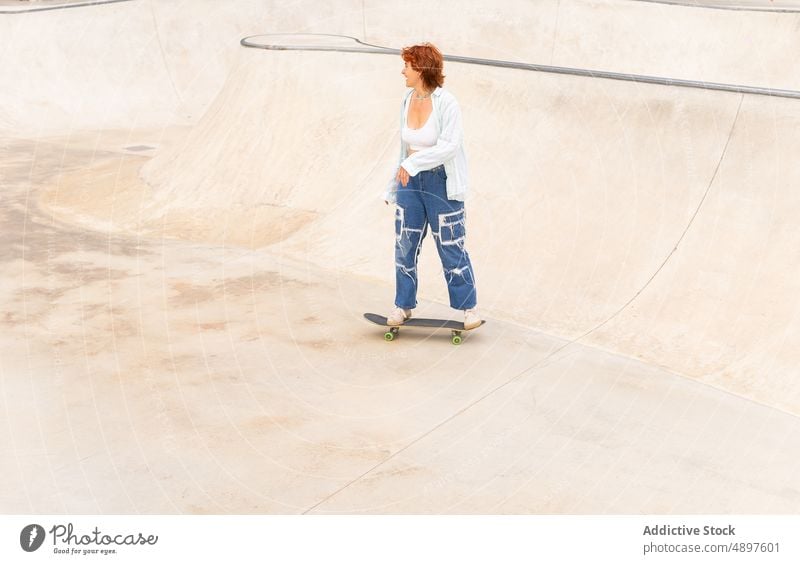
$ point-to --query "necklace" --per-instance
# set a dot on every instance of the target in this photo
(418, 97)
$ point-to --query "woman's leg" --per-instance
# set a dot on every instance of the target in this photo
(410, 226)
(448, 225)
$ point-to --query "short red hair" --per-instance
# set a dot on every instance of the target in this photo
(427, 60)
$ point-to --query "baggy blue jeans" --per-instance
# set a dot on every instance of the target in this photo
(422, 202)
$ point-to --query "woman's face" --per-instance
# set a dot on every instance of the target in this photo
(412, 77)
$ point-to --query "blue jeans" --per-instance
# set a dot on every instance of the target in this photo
(422, 202)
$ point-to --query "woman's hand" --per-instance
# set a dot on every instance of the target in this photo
(402, 176)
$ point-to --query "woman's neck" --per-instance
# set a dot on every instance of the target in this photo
(421, 93)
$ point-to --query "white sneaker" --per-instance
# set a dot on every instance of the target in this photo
(471, 318)
(398, 316)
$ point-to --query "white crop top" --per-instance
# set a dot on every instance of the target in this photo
(421, 138)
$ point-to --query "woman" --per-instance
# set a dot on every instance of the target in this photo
(430, 185)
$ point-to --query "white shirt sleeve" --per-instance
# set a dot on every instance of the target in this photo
(390, 192)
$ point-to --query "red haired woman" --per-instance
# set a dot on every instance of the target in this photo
(430, 185)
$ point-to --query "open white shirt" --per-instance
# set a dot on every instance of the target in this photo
(449, 148)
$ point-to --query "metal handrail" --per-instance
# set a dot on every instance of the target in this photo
(629, 77)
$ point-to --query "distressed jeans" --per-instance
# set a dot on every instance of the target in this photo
(422, 202)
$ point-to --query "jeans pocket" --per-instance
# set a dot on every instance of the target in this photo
(452, 228)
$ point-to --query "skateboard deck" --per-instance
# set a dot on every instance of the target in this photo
(456, 327)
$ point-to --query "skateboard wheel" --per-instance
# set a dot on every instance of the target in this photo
(389, 335)
(456, 339)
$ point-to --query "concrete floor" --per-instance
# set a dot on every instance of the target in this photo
(187, 257)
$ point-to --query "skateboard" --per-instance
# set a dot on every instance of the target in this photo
(456, 327)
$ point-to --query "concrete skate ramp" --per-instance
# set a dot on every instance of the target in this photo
(128, 65)
(655, 222)
(145, 63)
